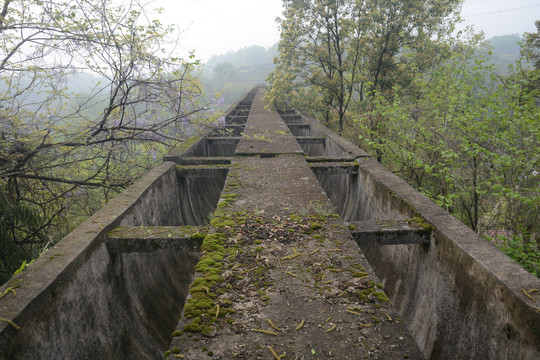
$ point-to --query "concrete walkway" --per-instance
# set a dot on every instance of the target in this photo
(280, 276)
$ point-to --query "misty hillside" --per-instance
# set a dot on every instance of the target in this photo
(236, 72)
(233, 74)
(506, 50)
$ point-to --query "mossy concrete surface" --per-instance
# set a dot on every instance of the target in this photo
(390, 232)
(145, 239)
(247, 257)
(265, 133)
(280, 276)
(460, 296)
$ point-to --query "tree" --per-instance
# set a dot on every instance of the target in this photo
(469, 139)
(63, 153)
(531, 49)
(319, 57)
(336, 54)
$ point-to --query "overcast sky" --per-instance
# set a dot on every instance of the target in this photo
(213, 27)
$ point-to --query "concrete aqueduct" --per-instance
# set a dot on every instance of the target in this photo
(271, 236)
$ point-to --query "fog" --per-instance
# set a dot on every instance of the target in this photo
(214, 27)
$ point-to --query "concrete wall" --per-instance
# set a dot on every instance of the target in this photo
(200, 192)
(82, 300)
(156, 199)
(78, 301)
(461, 297)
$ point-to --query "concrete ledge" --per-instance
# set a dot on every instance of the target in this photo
(310, 140)
(345, 147)
(228, 140)
(202, 170)
(298, 126)
(333, 168)
(239, 120)
(291, 119)
(389, 232)
(150, 239)
(329, 159)
(187, 148)
(204, 161)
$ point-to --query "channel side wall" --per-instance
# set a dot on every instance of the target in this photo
(79, 301)
(461, 297)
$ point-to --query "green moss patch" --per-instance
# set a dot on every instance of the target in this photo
(315, 226)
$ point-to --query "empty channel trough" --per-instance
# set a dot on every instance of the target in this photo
(115, 287)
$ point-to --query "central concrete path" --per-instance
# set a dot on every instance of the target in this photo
(279, 276)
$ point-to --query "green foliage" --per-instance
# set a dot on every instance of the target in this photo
(433, 108)
(92, 107)
(469, 139)
(527, 254)
(335, 54)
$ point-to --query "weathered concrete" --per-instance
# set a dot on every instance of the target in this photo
(284, 267)
(333, 168)
(80, 301)
(389, 232)
(91, 296)
(221, 146)
(199, 188)
(204, 161)
(145, 239)
(460, 296)
(262, 136)
(120, 295)
(299, 129)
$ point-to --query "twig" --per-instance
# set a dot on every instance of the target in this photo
(274, 353)
(15, 326)
(528, 295)
(292, 312)
(267, 332)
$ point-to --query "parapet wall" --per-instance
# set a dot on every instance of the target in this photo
(96, 296)
(78, 300)
(461, 297)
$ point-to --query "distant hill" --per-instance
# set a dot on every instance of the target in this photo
(233, 74)
(236, 72)
(506, 50)
(251, 56)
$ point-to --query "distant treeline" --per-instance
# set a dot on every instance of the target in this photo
(233, 74)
